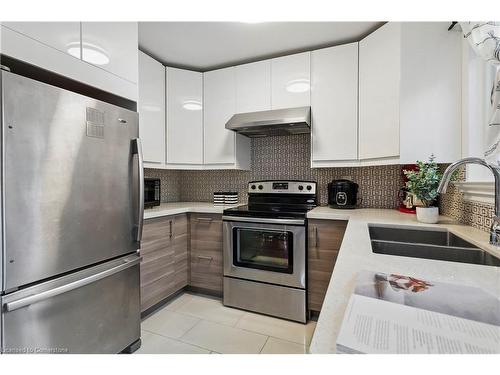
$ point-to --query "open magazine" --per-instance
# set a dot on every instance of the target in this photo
(396, 314)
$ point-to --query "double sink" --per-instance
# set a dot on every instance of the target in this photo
(427, 243)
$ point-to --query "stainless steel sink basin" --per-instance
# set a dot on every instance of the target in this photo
(427, 243)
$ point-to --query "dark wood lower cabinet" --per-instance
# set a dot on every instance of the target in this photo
(324, 240)
(206, 252)
(164, 251)
(179, 251)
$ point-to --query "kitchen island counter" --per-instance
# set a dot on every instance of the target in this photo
(356, 255)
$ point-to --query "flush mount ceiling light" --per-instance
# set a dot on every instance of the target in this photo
(192, 105)
(90, 53)
(298, 86)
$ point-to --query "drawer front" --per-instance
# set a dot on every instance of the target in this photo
(207, 227)
(102, 316)
(206, 252)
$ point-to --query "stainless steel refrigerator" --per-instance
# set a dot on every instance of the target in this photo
(72, 211)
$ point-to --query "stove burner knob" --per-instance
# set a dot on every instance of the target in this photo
(309, 187)
(253, 187)
(261, 187)
(301, 187)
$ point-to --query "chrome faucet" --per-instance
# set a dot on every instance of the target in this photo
(495, 169)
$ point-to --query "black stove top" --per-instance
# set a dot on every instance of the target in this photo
(277, 199)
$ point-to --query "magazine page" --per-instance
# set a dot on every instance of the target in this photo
(397, 314)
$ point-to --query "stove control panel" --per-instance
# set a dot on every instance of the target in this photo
(282, 187)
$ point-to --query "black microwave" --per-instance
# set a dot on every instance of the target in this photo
(152, 192)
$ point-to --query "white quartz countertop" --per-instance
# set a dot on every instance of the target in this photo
(166, 209)
(356, 254)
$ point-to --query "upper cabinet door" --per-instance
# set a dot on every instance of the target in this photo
(290, 81)
(334, 101)
(253, 87)
(431, 89)
(64, 36)
(112, 46)
(184, 117)
(152, 108)
(379, 75)
(219, 99)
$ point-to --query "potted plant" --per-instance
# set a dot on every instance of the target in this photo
(423, 183)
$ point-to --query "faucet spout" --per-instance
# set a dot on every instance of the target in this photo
(495, 169)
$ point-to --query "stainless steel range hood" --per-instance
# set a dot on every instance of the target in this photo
(275, 122)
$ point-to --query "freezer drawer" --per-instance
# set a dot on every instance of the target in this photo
(96, 310)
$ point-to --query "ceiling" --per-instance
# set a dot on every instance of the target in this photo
(206, 46)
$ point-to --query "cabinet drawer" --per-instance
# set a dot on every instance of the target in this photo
(206, 252)
(206, 227)
(206, 271)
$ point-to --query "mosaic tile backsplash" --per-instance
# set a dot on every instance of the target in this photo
(289, 158)
(281, 158)
(476, 214)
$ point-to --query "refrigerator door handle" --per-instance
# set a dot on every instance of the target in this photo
(137, 149)
(29, 300)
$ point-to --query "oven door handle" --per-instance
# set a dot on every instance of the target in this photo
(264, 220)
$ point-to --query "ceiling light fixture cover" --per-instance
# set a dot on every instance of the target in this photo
(298, 86)
(90, 53)
(192, 105)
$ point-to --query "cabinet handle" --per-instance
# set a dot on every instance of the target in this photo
(205, 219)
(171, 231)
(205, 257)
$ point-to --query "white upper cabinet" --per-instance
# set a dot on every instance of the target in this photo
(184, 118)
(430, 103)
(379, 76)
(222, 148)
(63, 36)
(112, 46)
(334, 102)
(253, 87)
(151, 108)
(291, 81)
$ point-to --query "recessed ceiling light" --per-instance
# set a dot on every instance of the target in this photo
(90, 53)
(192, 105)
(298, 86)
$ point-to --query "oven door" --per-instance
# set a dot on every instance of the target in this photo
(266, 250)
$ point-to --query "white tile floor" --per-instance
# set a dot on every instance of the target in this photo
(194, 324)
